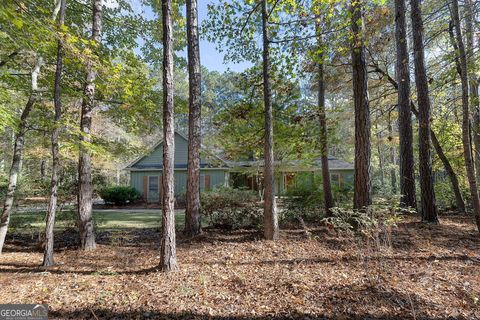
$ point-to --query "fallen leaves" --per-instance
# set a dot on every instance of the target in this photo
(428, 272)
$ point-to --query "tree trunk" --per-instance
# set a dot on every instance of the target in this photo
(393, 160)
(451, 173)
(407, 164)
(380, 158)
(85, 219)
(327, 188)
(192, 214)
(168, 255)
(362, 196)
(467, 145)
(438, 149)
(270, 211)
(474, 98)
(52, 203)
(428, 205)
(15, 169)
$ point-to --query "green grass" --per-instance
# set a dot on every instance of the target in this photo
(104, 219)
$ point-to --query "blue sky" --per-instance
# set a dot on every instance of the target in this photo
(210, 57)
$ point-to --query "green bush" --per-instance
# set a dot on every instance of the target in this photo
(231, 209)
(304, 200)
(120, 195)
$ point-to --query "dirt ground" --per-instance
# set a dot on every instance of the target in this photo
(430, 272)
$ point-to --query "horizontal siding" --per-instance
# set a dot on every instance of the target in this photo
(217, 178)
(180, 155)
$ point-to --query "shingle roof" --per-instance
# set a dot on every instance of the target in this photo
(333, 164)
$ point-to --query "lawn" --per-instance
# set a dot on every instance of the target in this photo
(104, 219)
(427, 272)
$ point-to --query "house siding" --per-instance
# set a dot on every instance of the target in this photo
(218, 177)
(156, 156)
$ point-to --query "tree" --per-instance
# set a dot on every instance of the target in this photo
(192, 214)
(473, 81)
(85, 223)
(362, 180)
(16, 163)
(270, 211)
(467, 144)
(407, 169)
(168, 256)
(52, 203)
(327, 188)
(428, 206)
(438, 149)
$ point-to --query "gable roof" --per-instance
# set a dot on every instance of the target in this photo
(296, 165)
(135, 163)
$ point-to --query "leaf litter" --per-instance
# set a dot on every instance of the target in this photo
(430, 272)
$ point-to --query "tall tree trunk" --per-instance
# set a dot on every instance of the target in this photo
(192, 216)
(270, 211)
(327, 188)
(393, 160)
(85, 219)
(168, 255)
(467, 145)
(15, 169)
(473, 82)
(438, 149)
(380, 158)
(362, 196)
(52, 203)
(428, 204)
(407, 164)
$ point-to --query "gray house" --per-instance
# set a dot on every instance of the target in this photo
(146, 171)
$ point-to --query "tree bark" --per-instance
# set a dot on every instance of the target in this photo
(270, 211)
(407, 164)
(428, 204)
(467, 144)
(192, 216)
(473, 82)
(15, 169)
(438, 149)
(327, 187)
(168, 256)
(85, 219)
(393, 160)
(52, 203)
(362, 196)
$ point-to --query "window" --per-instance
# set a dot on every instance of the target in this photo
(335, 177)
(153, 194)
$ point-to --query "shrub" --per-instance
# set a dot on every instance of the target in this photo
(231, 209)
(120, 195)
(375, 220)
(304, 200)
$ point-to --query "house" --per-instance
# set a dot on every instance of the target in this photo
(146, 171)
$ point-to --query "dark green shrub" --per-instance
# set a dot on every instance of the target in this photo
(120, 195)
(229, 208)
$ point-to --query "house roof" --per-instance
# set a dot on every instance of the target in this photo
(135, 163)
(284, 165)
(333, 164)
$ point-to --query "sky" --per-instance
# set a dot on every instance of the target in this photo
(210, 57)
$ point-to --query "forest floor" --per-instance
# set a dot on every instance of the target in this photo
(428, 272)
